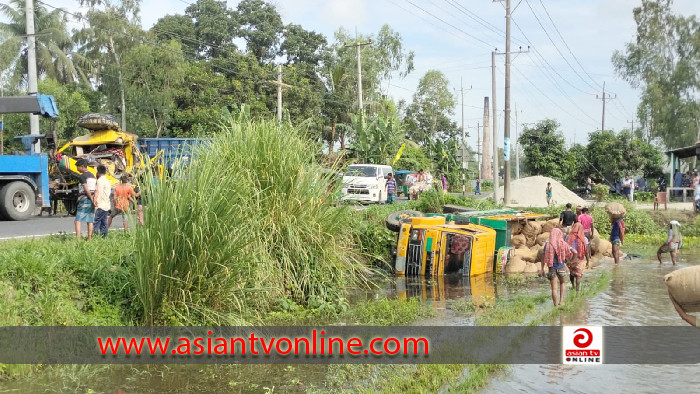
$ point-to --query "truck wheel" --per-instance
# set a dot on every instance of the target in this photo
(393, 221)
(449, 208)
(71, 206)
(17, 201)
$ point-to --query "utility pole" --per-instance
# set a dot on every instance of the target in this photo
(464, 141)
(485, 143)
(605, 98)
(279, 94)
(357, 45)
(494, 133)
(506, 129)
(632, 121)
(517, 147)
(280, 85)
(31, 69)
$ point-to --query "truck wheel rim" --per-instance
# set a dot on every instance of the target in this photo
(20, 201)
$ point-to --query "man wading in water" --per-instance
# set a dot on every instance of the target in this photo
(674, 241)
(556, 252)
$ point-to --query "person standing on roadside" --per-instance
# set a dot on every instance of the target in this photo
(674, 241)
(628, 188)
(586, 221)
(617, 236)
(85, 211)
(103, 189)
(478, 187)
(390, 189)
(556, 252)
(548, 191)
(123, 196)
(677, 181)
(578, 244)
(139, 203)
(443, 178)
(567, 218)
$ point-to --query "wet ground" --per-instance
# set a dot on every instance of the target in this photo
(636, 296)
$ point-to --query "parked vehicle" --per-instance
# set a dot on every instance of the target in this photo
(403, 182)
(365, 182)
(24, 177)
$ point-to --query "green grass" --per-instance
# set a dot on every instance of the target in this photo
(249, 223)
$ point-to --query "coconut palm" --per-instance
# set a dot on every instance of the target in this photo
(53, 43)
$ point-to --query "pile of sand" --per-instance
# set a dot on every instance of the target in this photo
(530, 192)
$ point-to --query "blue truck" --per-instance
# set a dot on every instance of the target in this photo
(168, 151)
(24, 177)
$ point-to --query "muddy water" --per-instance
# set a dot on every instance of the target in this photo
(637, 296)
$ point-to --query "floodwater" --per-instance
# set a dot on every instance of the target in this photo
(637, 296)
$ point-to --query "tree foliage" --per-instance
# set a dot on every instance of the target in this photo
(663, 62)
(545, 153)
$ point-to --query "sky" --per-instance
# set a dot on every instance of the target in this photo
(571, 44)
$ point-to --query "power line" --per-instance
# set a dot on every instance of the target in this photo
(567, 45)
(544, 62)
(451, 25)
(555, 45)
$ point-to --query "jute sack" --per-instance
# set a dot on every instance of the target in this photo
(532, 229)
(615, 210)
(684, 287)
(515, 265)
(549, 225)
(605, 247)
(530, 240)
(517, 241)
(595, 245)
(540, 256)
(542, 238)
(516, 228)
(531, 268)
(525, 254)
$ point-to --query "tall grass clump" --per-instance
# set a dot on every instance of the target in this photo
(249, 222)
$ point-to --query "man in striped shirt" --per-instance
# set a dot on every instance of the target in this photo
(390, 189)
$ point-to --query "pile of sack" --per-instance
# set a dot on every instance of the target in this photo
(528, 239)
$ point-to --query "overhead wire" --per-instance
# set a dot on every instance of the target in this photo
(556, 46)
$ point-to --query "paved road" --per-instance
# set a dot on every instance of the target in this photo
(44, 225)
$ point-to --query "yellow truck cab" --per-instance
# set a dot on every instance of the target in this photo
(428, 246)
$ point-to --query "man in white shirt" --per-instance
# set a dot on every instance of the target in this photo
(628, 187)
(102, 202)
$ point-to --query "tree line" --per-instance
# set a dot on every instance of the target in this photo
(176, 78)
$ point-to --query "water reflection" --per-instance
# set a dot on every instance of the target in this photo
(636, 296)
(448, 287)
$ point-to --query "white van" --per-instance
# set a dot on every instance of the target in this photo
(366, 182)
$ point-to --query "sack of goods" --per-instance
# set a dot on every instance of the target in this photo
(684, 287)
(615, 210)
(98, 122)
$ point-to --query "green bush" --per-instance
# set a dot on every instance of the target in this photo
(601, 192)
(57, 281)
(644, 196)
(431, 201)
(636, 221)
(249, 222)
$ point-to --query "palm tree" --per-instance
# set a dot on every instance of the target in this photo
(53, 43)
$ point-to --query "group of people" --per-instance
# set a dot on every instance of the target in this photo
(99, 203)
(568, 247)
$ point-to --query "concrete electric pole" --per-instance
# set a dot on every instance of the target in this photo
(31, 69)
(506, 128)
(605, 97)
(464, 141)
(357, 45)
(632, 122)
(280, 85)
(494, 133)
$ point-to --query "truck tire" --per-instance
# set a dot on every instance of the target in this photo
(393, 221)
(448, 208)
(17, 201)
